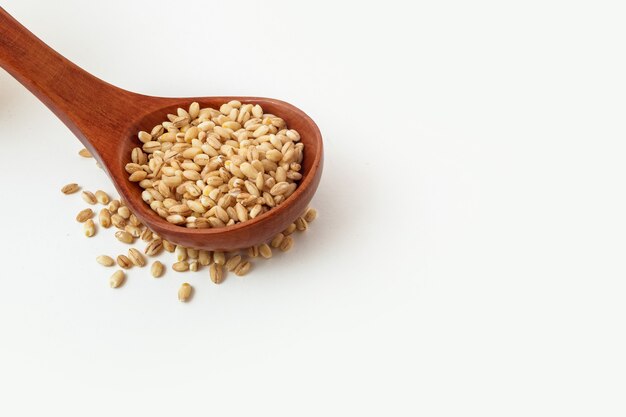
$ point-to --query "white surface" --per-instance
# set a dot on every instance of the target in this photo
(468, 258)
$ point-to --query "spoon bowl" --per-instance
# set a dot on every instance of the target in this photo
(106, 120)
(241, 235)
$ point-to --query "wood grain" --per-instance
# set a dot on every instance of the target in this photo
(106, 119)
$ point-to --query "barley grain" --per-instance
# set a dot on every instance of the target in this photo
(181, 253)
(124, 262)
(286, 244)
(310, 215)
(219, 257)
(253, 251)
(89, 228)
(105, 260)
(146, 235)
(232, 262)
(278, 239)
(290, 229)
(243, 268)
(157, 269)
(301, 224)
(154, 247)
(70, 188)
(180, 266)
(114, 205)
(118, 221)
(89, 197)
(184, 292)
(117, 279)
(216, 273)
(203, 158)
(204, 257)
(104, 218)
(145, 137)
(265, 251)
(133, 230)
(85, 153)
(102, 197)
(168, 246)
(136, 257)
(84, 215)
(124, 237)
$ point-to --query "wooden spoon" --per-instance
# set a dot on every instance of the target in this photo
(106, 120)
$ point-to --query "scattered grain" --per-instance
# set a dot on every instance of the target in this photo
(89, 197)
(70, 188)
(89, 228)
(184, 293)
(124, 237)
(105, 260)
(157, 269)
(181, 266)
(85, 153)
(217, 273)
(84, 215)
(124, 262)
(136, 257)
(265, 250)
(102, 197)
(117, 279)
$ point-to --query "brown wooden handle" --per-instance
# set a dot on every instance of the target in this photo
(78, 98)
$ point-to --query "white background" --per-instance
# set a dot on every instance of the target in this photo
(469, 254)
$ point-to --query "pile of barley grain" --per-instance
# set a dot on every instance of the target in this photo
(130, 231)
(213, 168)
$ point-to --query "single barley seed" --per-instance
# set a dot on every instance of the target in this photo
(301, 224)
(70, 188)
(253, 251)
(265, 250)
(124, 212)
(114, 205)
(204, 257)
(232, 263)
(243, 268)
(89, 197)
(154, 247)
(124, 262)
(118, 221)
(184, 293)
(286, 244)
(180, 266)
(85, 153)
(219, 258)
(217, 273)
(105, 260)
(102, 197)
(105, 218)
(136, 257)
(193, 266)
(277, 240)
(89, 228)
(310, 215)
(84, 215)
(181, 253)
(157, 269)
(124, 237)
(117, 278)
(169, 246)
(290, 229)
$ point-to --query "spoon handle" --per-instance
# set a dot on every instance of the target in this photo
(79, 99)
